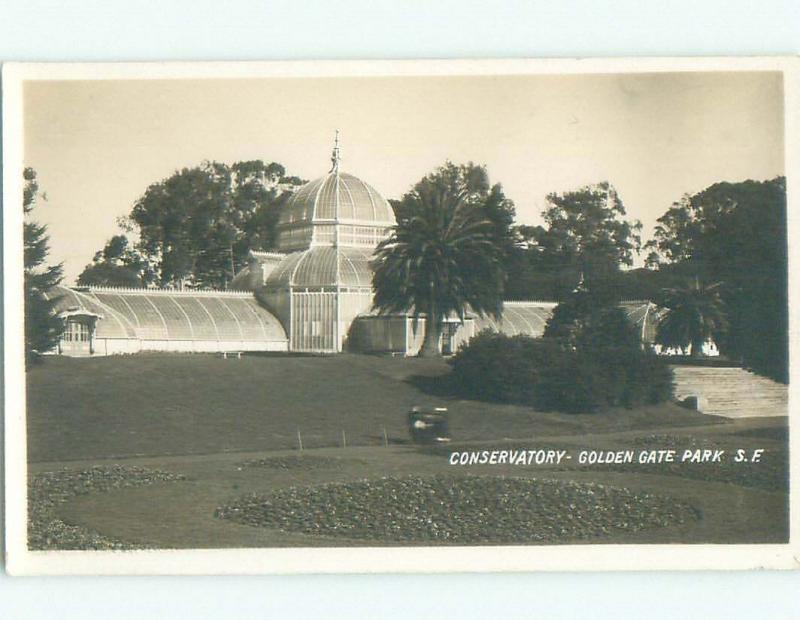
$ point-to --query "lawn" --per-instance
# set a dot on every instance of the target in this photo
(162, 404)
(193, 451)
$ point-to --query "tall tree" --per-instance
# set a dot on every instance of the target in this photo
(196, 227)
(674, 234)
(585, 234)
(42, 326)
(445, 253)
(536, 273)
(735, 233)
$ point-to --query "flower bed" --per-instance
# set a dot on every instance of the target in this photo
(459, 510)
(49, 489)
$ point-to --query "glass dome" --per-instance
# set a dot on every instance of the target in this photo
(321, 267)
(337, 196)
(337, 209)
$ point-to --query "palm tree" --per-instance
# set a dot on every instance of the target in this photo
(695, 314)
(443, 254)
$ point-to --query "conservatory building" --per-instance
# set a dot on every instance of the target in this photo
(108, 321)
(320, 279)
(314, 294)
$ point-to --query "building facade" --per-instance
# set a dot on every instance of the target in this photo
(312, 295)
(320, 279)
(108, 321)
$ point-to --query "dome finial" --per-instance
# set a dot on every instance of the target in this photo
(335, 158)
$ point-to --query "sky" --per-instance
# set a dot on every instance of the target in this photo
(97, 145)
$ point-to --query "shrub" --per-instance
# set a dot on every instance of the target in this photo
(650, 380)
(571, 384)
(604, 366)
(499, 368)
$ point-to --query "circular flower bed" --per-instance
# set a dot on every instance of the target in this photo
(461, 510)
(46, 491)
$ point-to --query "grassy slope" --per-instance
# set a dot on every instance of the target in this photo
(161, 404)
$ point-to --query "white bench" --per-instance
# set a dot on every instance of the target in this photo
(238, 354)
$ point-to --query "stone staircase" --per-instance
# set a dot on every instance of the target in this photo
(731, 392)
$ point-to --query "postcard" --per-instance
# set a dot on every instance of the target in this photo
(400, 316)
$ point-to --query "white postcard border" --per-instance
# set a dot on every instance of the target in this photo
(591, 557)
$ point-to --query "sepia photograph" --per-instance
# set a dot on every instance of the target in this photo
(366, 316)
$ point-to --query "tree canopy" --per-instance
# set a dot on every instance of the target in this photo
(735, 234)
(196, 227)
(447, 250)
(42, 326)
(585, 235)
(117, 264)
(574, 320)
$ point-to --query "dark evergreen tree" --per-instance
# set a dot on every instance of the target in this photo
(736, 234)
(605, 362)
(578, 314)
(42, 326)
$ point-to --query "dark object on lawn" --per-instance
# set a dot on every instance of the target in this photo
(428, 425)
(694, 402)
